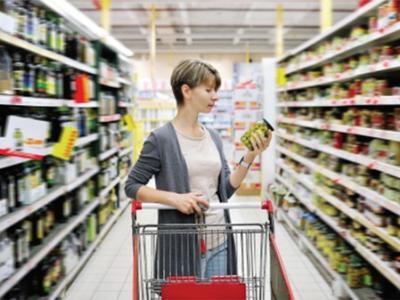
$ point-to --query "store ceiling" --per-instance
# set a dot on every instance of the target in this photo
(214, 26)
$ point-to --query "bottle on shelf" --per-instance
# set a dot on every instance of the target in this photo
(51, 33)
(82, 122)
(29, 76)
(37, 228)
(18, 139)
(69, 84)
(50, 80)
(11, 192)
(18, 74)
(60, 29)
(59, 81)
(29, 23)
(21, 20)
(6, 81)
(42, 28)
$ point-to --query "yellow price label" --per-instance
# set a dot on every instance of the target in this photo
(63, 149)
(281, 77)
(129, 121)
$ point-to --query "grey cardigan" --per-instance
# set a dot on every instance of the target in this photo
(161, 156)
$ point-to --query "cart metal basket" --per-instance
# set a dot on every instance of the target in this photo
(177, 271)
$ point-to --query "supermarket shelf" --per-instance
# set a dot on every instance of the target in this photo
(385, 66)
(109, 118)
(357, 101)
(386, 35)
(83, 178)
(375, 261)
(370, 132)
(104, 192)
(11, 161)
(125, 104)
(124, 81)
(355, 215)
(108, 83)
(371, 163)
(50, 243)
(14, 41)
(344, 181)
(86, 140)
(16, 100)
(6, 162)
(71, 276)
(154, 120)
(318, 256)
(107, 154)
(91, 104)
(346, 22)
(14, 217)
(125, 151)
(147, 104)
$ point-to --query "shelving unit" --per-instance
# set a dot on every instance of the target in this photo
(70, 277)
(50, 243)
(300, 133)
(304, 242)
(106, 49)
(356, 101)
(371, 163)
(153, 112)
(19, 43)
(372, 258)
(369, 132)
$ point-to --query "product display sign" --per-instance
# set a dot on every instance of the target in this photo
(63, 149)
(24, 137)
(129, 122)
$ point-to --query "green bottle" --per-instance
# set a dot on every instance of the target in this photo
(18, 139)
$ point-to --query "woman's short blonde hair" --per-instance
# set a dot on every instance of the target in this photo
(193, 73)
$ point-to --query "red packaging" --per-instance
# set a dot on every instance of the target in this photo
(338, 140)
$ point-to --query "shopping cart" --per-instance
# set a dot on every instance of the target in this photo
(167, 259)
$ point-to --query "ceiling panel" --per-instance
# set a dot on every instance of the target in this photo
(215, 26)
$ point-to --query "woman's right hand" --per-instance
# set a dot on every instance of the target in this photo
(189, 203)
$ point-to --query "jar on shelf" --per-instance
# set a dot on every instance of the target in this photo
(344, 260)
(354, 275)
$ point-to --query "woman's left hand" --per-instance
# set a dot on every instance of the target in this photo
(259, 142)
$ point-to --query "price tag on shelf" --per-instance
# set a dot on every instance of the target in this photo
(386, 64)
(337, 181)
(350, 130)
(15, 100)
(325, 126)
(63, 149)
(129, 121)
(372, 165)
(372, 68)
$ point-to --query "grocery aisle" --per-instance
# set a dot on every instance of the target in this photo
(108, 273)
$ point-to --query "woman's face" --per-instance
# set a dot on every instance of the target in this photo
(203, 97)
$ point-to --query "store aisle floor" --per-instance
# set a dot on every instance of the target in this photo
(108, 274)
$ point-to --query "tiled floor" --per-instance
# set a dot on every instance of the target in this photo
(108, 273)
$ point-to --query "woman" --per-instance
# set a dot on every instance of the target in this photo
(190, 170)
